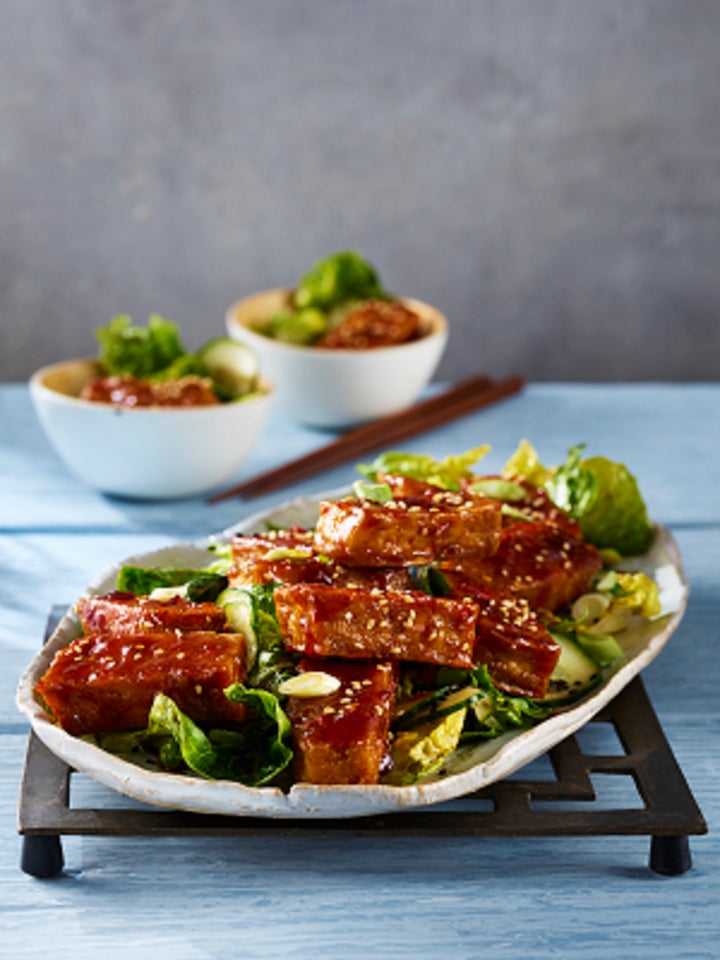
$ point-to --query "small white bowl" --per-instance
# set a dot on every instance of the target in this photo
(144, 452)
(339, 388)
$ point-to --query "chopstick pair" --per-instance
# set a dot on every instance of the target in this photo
(465, 397)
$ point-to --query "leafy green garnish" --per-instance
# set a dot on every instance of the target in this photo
(253, 754)
(571, 487)
(335, 279)
(430, 580)
(202, 584)
(303, 327)
(143, 580)
(185, 366)
(601, 494)
(447, 473)
(506, 712)
(140, 351)
(273, 663)
(377, 492)
(617, 518)
(524, 462)
(498, 488)
(206, 587)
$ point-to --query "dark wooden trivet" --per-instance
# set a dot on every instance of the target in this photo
(669, 814)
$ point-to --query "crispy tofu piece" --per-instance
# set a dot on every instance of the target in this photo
(373, 323)
(343, 737)
(289, 556)
(119, 611)
(539, 562)
(105, 682)
(355, 623)
(409, 531)
(279, 556)
(511, 641)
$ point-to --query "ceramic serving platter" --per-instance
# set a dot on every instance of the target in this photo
(469, 769)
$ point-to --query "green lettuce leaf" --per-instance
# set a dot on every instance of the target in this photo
(273, 663)
(525, 462)
(140, 351)
(601, 494)
(447, 473)
(501, 712)
(617, 517)
(571, 487)
(253, 755)
(335, 279)
(201, 584)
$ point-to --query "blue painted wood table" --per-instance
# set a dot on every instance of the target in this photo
(345, 896)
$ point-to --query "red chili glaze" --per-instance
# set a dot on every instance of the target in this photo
(343, 737)
(510, 640)
(120, 612)
(259, 559)
(374, 323)
(104, 682)
(540, 562)
(355, 623)
(408, 531)
(123, 390)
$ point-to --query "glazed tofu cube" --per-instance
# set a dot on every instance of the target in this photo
(105, 682)
(409, 531)
(119, 612)
(539, 562)
(343, 737)
(511, 641)
(279, 556)
(355, 623)
(289, 556)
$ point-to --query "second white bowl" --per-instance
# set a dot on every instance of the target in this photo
(339, 388)
(144, 452)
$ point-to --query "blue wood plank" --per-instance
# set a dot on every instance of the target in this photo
(344, 897)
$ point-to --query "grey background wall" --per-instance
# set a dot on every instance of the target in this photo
(545, 171)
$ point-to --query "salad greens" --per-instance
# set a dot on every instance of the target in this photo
(197, 585)
(140, 351)
(253, 754)
(156, 353)
(251, 611)
(334, 283)
(447, 473)
(336, 279)
(601, 494)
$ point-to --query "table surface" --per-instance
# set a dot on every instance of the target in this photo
(344, 896)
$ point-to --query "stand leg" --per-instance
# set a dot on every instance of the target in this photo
(670, 855)
(42, 856)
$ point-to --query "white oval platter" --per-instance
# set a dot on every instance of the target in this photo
(469, 769)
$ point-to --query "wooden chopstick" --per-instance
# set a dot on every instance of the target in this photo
(463, 398)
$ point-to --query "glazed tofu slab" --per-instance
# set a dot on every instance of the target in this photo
(108, 681)
(356, 623)
(120, 612)
(343, 737)
(408, 531)
(538, 562)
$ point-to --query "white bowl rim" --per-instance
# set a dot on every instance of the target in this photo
(37, 384)
(439, 330)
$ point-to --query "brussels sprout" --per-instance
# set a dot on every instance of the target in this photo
(337, 278)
